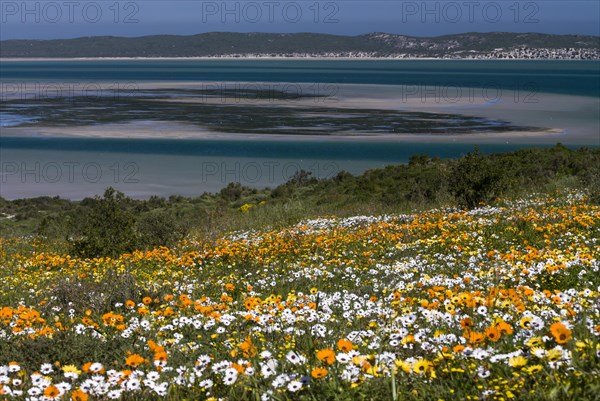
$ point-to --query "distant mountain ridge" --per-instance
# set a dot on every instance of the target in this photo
(229, 44)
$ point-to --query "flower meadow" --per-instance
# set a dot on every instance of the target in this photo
(496, 303)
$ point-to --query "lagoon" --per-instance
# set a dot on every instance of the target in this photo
(147, 127)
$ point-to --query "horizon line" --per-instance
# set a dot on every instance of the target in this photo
(304, 33)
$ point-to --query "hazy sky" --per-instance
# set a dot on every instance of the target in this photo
(44, 19)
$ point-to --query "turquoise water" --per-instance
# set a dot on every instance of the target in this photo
(76, 167)
(565, 77)
(392, 152)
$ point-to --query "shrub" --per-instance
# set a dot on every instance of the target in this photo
(475, 179)
(107, 228)
(232, 192)
(98, 295)
(591, 181)
(160, 228)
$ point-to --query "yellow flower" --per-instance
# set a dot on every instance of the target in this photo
(71, 368)
(517, 361)
(583, 344)
(405, 366)
(553, 355)
(373, 371)
(533, 369)
(534, 342)
(526, 322)
(421, 366)
(245, 208)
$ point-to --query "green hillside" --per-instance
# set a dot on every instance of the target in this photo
(227, 43)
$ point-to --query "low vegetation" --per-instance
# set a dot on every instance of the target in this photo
(255, 298)
(113, 224)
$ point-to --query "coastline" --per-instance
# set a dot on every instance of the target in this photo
(275, 58)
(166, 167)
(173, 131)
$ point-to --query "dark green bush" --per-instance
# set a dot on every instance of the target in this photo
(475, 179)
(107, 228)
(160, 228)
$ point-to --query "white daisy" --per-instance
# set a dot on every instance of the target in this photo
(206, 383)
(154, 376)
(295, 358)
(133, 384)
(46, 368)
(343, 358)
(96, 367)
(13, 368)
(228, 380)
(294, 386)
(114, 394)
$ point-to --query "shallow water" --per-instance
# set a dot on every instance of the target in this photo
(75, 168)
(59, 139)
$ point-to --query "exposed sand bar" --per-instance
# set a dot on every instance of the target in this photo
(231, 58)
(169, 130)
(564, 118)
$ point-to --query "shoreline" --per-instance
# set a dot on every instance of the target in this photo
(114, 131)
(275, 58)
(169, 169)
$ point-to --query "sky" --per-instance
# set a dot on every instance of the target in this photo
(48, 19)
